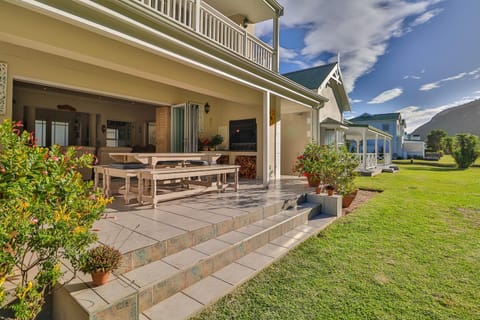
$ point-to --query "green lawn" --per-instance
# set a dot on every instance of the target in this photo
(445, 161)
(412, 252)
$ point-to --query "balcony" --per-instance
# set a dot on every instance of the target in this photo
(203, 19)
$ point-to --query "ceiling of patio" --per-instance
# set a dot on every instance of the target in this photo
(254, 10)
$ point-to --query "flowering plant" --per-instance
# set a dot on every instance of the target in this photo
(46, 213)
(309, 163)
(203, 142)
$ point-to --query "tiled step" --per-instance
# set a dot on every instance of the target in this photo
(193, 299)
(131, 293)
(176, 228)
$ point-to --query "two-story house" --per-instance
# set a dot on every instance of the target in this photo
(132, 73)
(391, 123)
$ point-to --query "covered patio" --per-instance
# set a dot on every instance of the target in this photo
(373, 146)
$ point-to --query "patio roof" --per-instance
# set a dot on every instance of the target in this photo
(356, 131)
(330, 123)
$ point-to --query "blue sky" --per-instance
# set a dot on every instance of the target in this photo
(414, 57)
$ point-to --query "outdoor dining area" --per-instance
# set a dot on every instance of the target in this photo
(150, 178)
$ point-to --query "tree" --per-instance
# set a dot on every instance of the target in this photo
(466, 150)
(447, 145)
(434, 139)
(46, 213)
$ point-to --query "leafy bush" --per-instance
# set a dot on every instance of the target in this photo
(46, 212)
(466, 150)
(102, 258)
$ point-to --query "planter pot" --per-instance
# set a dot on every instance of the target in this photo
(212, 148)
(347, 199)
(313, 181)
(204, 148)
(330, 192)
(317, 190)
(99, 277)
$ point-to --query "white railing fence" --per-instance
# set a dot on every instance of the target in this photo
(370, 160)
(200, 17)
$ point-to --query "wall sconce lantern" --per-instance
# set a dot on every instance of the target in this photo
(207, 108)
(245, 22)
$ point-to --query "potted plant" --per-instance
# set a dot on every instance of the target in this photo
(203, 144)
(345, 176)
(99, 262)
(309, 164)
(330, 189)
(216, 140)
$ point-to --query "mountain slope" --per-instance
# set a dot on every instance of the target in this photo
(462, 119)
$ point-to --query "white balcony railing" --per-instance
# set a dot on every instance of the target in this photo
(200, 17)
(370, 160)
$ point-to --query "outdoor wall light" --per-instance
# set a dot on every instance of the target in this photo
(245, 22)
(207, 108)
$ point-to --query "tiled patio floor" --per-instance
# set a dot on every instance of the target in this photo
(131, 227)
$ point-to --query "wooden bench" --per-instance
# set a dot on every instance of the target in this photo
(151, 179)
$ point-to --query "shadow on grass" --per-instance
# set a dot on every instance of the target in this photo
(428, 168)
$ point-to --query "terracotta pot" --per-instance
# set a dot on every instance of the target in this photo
(330, 192)
(204, 148)
(99, 277)
(317, 190)
(348, 199)
(313, 181)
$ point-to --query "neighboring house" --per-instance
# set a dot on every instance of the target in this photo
(391, 123)
(327, 81)
(413, 146)
(133, 73)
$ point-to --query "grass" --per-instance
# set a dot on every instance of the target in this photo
(445, 161)
(411, 252)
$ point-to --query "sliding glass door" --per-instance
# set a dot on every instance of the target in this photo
(185, 127)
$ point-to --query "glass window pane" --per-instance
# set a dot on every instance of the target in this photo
(60, 133)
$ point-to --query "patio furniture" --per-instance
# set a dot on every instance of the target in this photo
(151, 179)
(152, 159)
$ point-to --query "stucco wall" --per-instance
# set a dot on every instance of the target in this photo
(295, 133)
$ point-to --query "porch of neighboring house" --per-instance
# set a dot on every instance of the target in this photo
(188, 253)
(372, 146)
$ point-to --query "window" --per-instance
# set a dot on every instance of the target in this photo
(329, 136)
(112, 137)
(41, 132)
(60, 133)
(385, 127)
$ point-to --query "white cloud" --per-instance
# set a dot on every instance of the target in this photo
(356, 100)
(358, 30)
(437, 84)
(416, 116)
(386, 96)
(412, 77)
(427, 16)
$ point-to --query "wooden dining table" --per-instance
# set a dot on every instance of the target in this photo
(152, 159)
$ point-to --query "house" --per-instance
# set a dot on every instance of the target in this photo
(391, 123)
(327, 81)
(143, 73)
(413, 146)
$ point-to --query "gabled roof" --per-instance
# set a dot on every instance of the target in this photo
(311, 78)
(317, 78)
(374, 117)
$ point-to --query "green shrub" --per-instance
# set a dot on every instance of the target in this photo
(466, 150)
(46, 213)
(102, 258)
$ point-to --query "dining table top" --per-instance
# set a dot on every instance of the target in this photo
(151, 159)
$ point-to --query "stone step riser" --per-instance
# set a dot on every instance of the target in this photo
(148, 297)
(137, 258)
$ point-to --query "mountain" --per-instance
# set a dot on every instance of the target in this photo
(461, 119)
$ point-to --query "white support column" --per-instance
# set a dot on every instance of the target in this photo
(266, 139)
(278, 139)
(385, 147)
(364, 149)
(390, 151)
(376, 149)
(357, 145)
(276, 44)
(316, 125)
(196, 20)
